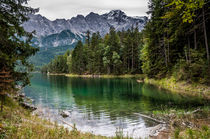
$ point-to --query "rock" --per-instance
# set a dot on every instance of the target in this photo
(140, 81)
(62, 32)
(28, 106)
(29, 100)
(65, 114)
(22, 95)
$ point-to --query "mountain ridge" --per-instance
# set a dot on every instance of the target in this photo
(80, 24)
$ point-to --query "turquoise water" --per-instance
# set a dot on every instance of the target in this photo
(103, 106)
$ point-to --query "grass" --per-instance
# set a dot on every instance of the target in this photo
(182, 87)
(16, 122)
(187, 125)
(104, 76)
(188, 133)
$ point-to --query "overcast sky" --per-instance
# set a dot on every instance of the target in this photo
(53, 9)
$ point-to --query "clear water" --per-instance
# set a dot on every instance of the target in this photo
(103, 106)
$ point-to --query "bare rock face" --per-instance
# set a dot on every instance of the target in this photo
(62, 32)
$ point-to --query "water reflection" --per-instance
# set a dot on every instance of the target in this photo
(102, 105)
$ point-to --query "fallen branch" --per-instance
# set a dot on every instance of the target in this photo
(148, 117)
(193, 111)
(66, 123)
(196, 110)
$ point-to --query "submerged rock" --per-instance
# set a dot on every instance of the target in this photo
(65, 114)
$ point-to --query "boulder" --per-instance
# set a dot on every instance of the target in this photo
(65, 114)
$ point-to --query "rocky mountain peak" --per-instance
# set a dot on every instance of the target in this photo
(80, 16)
(92, 14)
(79, 25)
(116, 13)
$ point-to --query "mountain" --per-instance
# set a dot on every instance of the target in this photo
(49, 33)
(55, 37)
(65, 37)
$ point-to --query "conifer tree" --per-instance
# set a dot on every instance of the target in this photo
(15, 42)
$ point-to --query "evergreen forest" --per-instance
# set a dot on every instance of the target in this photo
(174, 42)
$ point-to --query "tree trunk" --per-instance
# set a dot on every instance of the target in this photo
(2, 102)
(165, 53)
(128, 68)
(168, 48)
(205, 35)
(186, 56)
(108, 69)
(189, 55)
(195, 39)
(132, 58)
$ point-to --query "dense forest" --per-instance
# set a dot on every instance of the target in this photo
(173, 43)
(116, 53)
(176, 40)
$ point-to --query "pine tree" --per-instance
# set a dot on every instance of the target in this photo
(15, 42)
(78, 59)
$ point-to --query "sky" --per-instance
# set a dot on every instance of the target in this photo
(53, 9)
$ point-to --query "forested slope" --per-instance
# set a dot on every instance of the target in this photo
(175, 42)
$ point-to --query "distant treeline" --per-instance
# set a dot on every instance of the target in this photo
(174, 42)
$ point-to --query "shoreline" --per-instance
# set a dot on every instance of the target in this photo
(42, 121)
(181, 87)
(98, 75)
(153, 131)
(17, 121)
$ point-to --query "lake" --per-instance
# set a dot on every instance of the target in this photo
(103, 106)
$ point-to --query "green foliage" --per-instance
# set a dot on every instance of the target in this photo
(15, 42)
(194, 71)
(176, 133)
(145, 59)
(58, 65)
(45, 55)
(203, 133)
(116, 53)
(174, 40)
(78, 59)
(187, 8)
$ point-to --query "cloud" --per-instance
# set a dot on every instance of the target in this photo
(53, 9)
